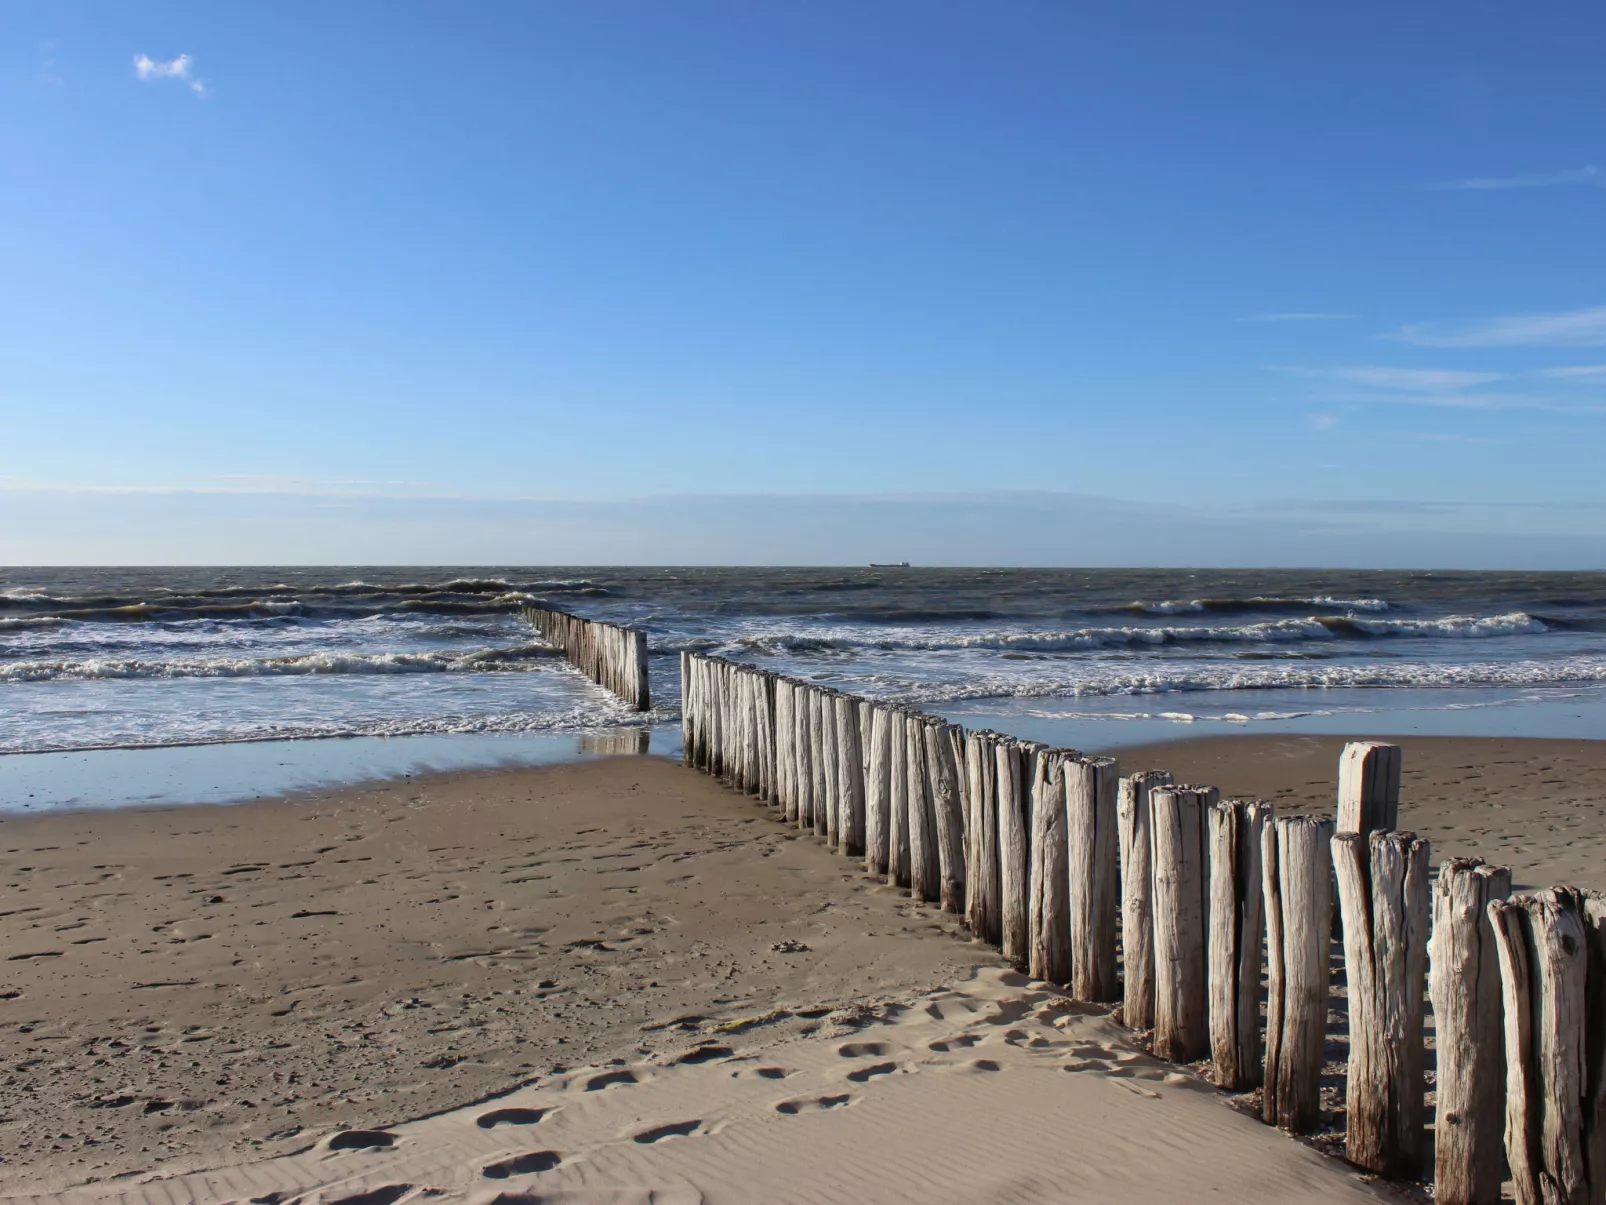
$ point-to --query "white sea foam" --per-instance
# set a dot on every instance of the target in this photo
(1277, 631)
(1104, 678)
(447, 661)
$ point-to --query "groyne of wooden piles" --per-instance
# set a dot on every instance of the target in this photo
(610, 655)
(1210, 922)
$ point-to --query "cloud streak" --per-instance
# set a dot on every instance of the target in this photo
(1568, 328)
(180, 67)
(1297, 317)
(1588, 174)
(1410, 380)
(1441, 387)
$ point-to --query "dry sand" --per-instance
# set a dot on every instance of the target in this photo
(686, 1000)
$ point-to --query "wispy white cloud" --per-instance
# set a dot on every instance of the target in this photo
(1324, 421)
(1296, 317)
(1442, 387)
(1588, 174)
(1412, 380)
(1577, 372)
(180, 67)
(1569, 328)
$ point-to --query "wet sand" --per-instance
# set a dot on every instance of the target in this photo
(213, 987)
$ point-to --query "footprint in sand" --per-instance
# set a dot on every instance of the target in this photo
(678, 1129)
(387, 1195)
(509, 1117)
(1086, 1065)
(361, 1140)
(813, 1104)
(705, 1054)
(963, 1042)
(862, 1050)
(611, 1078)
(874, 1069)
(522, 1165)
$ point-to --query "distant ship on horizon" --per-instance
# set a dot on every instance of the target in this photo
(889, 564)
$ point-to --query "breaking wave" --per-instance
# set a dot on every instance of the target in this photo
(1280, 631)
(1256, 603)
(519, 658)
(1103, 679)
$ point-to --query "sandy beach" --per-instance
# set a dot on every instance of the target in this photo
(669, 996)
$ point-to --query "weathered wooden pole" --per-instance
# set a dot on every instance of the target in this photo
(982, 907)
(1368, 787)
(944, 755)
(1093, 857)
(897, 799)
(1013, 855)
(826, 824)
(824, 771)
(1383, 900)
(1464, 983)
(1133, 814)
(850, 781)
(1552, 952)
(686, 708)
(925, 870)
(785, 749)
(1181, 997)
(1050, 913)
(877, 794)
(1297, 871)
(1237, 935)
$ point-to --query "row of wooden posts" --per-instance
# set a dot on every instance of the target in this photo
(610, 655)
(1200, 914)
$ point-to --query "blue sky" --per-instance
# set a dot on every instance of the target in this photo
(1252, 262)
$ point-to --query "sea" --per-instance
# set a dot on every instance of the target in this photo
(138, 686)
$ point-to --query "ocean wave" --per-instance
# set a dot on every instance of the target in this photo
(29, 622)
(523, 657)
(1106, 679)
(1278, 631)
(1224, 606)
(357, 598)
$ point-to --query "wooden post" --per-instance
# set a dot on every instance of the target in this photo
(1133, 812)
(1050, 919)
(925, 872)
(1181, 1000)
(982, 913)
(716, 718)
(1464, 982)
(827, 825)
(1383, 899)
(877, 794)
(824, 773)
(1014, 866)
(850, 783)
(1368, 787)
(768, 790)
(1093, 854)
(944, 753)
(784, 748)
(897, 800)
(1552, 952)
(685, 708)
(1297, 872)
(1237, 932)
